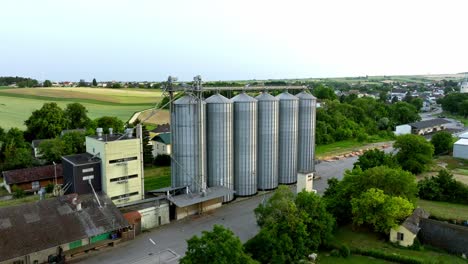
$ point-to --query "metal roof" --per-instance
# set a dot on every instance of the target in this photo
(81, 159)
(429, 123)
(184, 200)
(49, 223)
(463, 141)
(32, 174)
(243, 97)
(412, 222)
(163, 138)
(218, 99)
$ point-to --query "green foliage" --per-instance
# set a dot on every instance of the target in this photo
(46, 122)
(162, 160)
(345, 251)
(8, 80)
(455, 103)
(16, 157)
(77, 116)
(74, 142)
(109, 121)
(442, 142)
(388, 256)
(374, 158)
(27, 83)
(52, 150)
(443, 187)
(217, 246)
(323, 92)
(95, 82)
(414, 152)
(379, 210)
(17, 192)
(404, 113)
(49, 187)
(291, 226)
(47, 83)
(392, 181)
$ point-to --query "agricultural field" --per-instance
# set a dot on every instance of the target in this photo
(16, 105)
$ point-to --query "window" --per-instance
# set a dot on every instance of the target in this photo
(124, 178)
(124, 196)
(35, 185)
(122, 160)
(400, 236)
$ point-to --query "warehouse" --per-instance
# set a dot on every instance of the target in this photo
(58, 228)
(428, 126)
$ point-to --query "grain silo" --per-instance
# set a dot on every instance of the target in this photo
(245, 145)
(288, 121)
(306, 133)
(219, 140)
(188, 166)
(267, 142)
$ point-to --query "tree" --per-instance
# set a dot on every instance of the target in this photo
(162, 160)
(404, 113)
(82, 83)
(94, 82)
(414, 152)
(323, 92)
(442, 142)
(16, 157)
(218, 246)
(443, 187)
(379, 210)
(373, 158)
(107, 122)
(74, 143)
(46, 122)
(77, 116)
(417, 102)
(47, 83)
(52, 150)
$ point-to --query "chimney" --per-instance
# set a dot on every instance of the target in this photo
(99, 132)
(129, 132)
(111, 131)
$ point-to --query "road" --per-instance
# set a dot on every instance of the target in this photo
(170, 240)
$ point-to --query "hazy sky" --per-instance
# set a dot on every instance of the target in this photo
(226, 40)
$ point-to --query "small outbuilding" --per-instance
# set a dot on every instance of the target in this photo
(402, 130)
(405, 234)
(428, 126)
(32, 179)
(460, 149)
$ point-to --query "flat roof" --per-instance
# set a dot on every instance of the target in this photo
(463, 141)
(463, 135)
(113, 137)
(81, 159)
(184, 200)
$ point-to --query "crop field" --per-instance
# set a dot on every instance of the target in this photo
(16, 105)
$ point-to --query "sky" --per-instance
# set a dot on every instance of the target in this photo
(138, 40)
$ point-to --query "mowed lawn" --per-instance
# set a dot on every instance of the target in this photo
(443, 210)
(157, 177)
(15, 110)
(353, 259)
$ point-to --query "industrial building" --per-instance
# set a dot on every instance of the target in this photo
(121, 164)
(82, 173)
(428, 126)
(53, 230)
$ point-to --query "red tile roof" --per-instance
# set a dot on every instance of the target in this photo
(32, 174)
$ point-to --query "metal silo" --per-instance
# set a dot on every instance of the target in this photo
(245, 145)
(288, 119)
(188, 165)
(306, 135)
(219, 140)
(267, 141)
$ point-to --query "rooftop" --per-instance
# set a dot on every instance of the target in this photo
(462, 141)
(412, 222)
(32, 174)
(113, 137)
(184, 200)
(49, 223)
(163, 138)
(163, 128)
(429, 123)
(82, 158)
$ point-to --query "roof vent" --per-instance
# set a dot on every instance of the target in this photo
(111, 131)
(129, 132)
(99, 132)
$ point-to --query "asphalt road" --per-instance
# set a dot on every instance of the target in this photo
(170, 240)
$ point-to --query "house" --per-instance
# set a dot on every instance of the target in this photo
(405, 234)
(428, 126)
(460, 148)
(35, 145)
(32, 179)
(54, 230)
(161, 144)
(398, 93)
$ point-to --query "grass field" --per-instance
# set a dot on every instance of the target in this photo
(350, 260)
(364, 239)
(27, 199)
(16, 105)
(157, 177)
(443, 210)
(345, 146)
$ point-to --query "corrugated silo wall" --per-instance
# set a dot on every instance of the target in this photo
(306, 133)
(219, 140)
(288, 121)
(188, 166)
(267, 142)
(245, 145)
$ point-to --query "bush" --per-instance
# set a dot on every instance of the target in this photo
(49, 187)
(18, 192)
(386, 256)
(335, 253)
(344, 251)
(162, 160)
(361, 137)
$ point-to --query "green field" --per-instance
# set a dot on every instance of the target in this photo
(157, 177)
(443, 210)
(16, 105)
(346, 146)
(353, 259)
(364, 239)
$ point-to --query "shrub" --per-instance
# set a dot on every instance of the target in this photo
(18, 192)
(162, 160)
(335, 253)
(49, 187)
(386, 256)
(344, 251)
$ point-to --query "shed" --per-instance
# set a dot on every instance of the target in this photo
(405, 234)
(428, 126)
(460, 149)
(32, 179)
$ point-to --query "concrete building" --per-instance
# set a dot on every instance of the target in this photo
(53, 230)
(82, 173)
(305, 181)
(152, 212)
(161, 144)
(32, 179)
(405, 234)
(121, 165)
(460, 149)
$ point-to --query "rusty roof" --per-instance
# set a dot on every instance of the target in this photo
(32, 174)
(52, 222)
